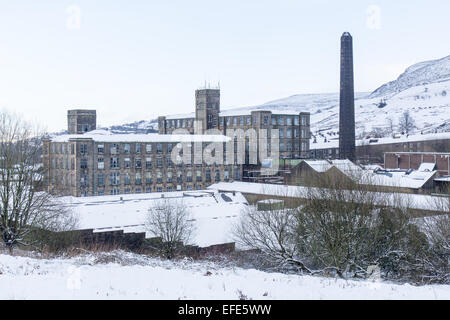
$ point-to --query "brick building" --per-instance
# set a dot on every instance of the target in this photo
(294, 129)
(99, 162)
(413, 160)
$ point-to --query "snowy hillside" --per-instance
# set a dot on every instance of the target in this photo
(121, 275)
(422, 73)
(423, 89)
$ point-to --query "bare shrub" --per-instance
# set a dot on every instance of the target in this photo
(170, 220)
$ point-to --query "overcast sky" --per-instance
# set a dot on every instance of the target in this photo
(134, 60)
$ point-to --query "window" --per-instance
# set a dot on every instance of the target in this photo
(138, 190)
(221, 121)
(296, 135)
(249, 121)
(72, 149)
(138, 163)
(127, 163)
(101, 149)
(304, 121)
(114, 178)
(208, 176)
(159, 148)
(304, 146)
(289, 133)
(296, 121)
(126, 148)
(148, 177)
(114, 191)
(83, 148)
(148, 148)
(282, 148)
(289, 146)
(189, 176)
(236, 174)
(226, 175)
(169, 176)
(241, 121)
(114, 163)
(159, 177)
(126, 179)
(114, 148)
(289, 121)
(159, 189)
(235, 120)
(101, 180)
(274, 121)
(100, 163)
(83, 163)
(101, 193)
(159, 162)
(148, 163)
(281, 133)
(138, 148)
(169, 147)
(303, 134)
(138, 178)
(217, 177)
(169, 162)
(266, 120)
(199, 176)
(84, 180)
(228, 121)
(281, 121)
(179, 177)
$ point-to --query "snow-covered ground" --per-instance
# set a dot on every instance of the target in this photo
(131, 276)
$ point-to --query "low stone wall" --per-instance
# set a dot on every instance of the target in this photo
(135, 242)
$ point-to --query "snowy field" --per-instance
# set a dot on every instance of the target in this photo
(122, 275)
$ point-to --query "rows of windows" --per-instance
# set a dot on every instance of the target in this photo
(116, 178)
(241, 121)
(117, 191)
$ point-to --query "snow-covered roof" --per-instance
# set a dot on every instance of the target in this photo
(427, 167)
(415, 201)
(235, 113)
(345, 166)
(320, 144)
(107, 136)
(443, 179)
(414, 180)
(214, 216)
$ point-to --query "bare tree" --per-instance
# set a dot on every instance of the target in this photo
(171, 221)
(390, 126)
(406, 122)
(24, 207)
(273, 233)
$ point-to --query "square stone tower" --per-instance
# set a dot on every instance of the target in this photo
(207, 108)
(347, 101)
(81, 121)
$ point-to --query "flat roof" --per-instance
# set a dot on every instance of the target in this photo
(107, 136)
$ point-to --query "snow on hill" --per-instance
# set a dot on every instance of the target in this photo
(420, 74)
(423, 90)
(120, 275)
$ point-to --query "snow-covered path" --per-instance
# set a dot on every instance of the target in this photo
(138, 277)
